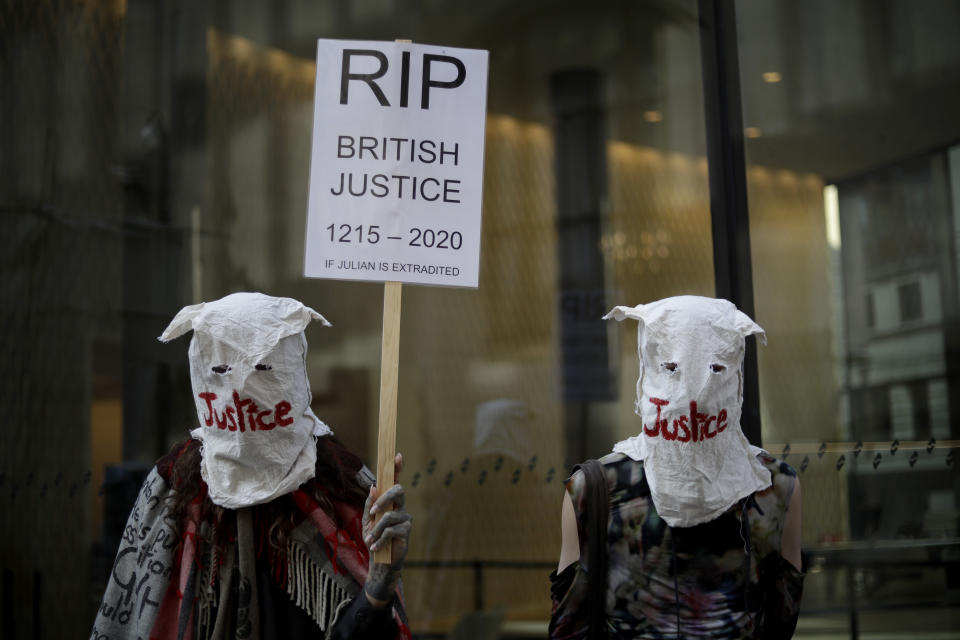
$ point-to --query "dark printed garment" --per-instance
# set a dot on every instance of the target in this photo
(724, 579)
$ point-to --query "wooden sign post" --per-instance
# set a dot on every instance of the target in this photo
(396, 183)
(389, 382)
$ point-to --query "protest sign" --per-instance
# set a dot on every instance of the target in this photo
(396, 183)
(396, 175)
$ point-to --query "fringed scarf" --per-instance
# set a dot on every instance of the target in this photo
(321, 569)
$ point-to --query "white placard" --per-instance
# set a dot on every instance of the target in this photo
(396, 173)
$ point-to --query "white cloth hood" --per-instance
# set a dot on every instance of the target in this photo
(249, 376)
(697, 461)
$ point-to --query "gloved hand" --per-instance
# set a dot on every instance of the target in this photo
(393, 529)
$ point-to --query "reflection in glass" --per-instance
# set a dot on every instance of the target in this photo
(854, 232)
(159, 156)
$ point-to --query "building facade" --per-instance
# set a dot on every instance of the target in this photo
(800, 159)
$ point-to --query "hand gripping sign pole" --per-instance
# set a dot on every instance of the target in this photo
(396, 179)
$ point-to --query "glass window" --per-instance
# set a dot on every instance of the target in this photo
(849, 114)
(160, 156)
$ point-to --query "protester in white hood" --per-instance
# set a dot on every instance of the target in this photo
(695, 532)
(248, 368)
(261, 524)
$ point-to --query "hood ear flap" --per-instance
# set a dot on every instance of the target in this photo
(181, 323)
(621, 313)
(316, 316)
(747, 327)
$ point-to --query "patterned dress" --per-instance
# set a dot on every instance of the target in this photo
(724, 579)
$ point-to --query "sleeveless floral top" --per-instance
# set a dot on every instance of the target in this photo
(724, 579)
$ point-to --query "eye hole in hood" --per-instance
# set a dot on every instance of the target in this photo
(221, 369)
(717, 368)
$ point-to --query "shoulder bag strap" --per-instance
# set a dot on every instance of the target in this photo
(598, 507)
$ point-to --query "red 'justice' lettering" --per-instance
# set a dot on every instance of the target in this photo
(232, 417)
(657, 423)
(697, 428)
